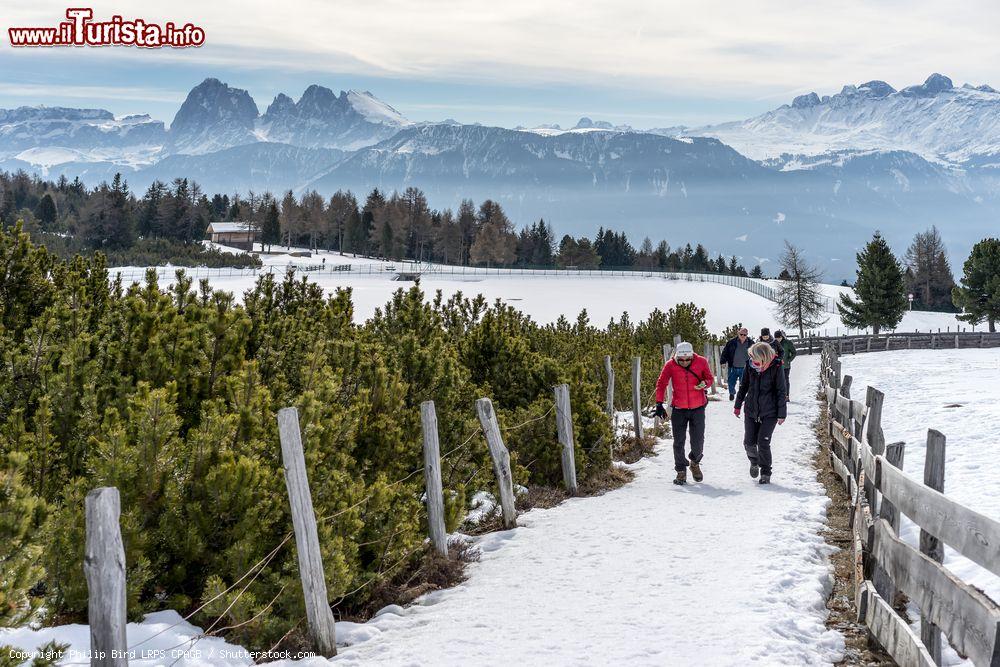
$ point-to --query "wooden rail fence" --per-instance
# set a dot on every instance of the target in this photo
(886, 342)
(880, 492)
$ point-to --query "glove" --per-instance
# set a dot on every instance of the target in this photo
(736, 411)
(661, 412)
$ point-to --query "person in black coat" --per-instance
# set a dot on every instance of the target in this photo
(766, 337)
(736, 356)
(765, 396)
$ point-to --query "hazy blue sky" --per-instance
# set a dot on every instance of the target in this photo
(520, 62)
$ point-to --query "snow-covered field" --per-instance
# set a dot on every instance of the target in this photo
(161, 639)
(544, 296)
(724, 572)
(956, 392)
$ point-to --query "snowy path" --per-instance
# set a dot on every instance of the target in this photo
(719, 573)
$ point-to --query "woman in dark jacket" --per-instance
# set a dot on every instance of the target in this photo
(765, 395)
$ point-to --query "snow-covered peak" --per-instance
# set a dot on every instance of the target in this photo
(213, 116)
(324, 119)
(585, 124)
(935, 83)
(374, 110)
(46, 113)
(281, 104)
(877, 88)
(46, 136)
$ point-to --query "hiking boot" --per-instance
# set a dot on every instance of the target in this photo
(696, 471)
(682, 477)
(764, 479)
(732, 396)
(754, 470)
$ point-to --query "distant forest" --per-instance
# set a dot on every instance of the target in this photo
(168, 222)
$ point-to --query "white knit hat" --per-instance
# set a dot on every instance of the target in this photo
(684, 350)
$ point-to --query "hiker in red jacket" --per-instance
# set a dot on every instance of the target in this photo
(690, 375)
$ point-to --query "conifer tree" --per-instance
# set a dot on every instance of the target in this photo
(688, 320)
(928, 275)
(271, 229)
(979, 293)
(879, 288)
(21, 517)
(46, 211)
(800, 298)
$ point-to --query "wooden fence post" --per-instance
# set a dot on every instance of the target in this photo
(104, 568)
(710, 358)
(677, 340)
(432, 478)
(564, 427)
(956, 341)
(875, 399)
(636, 396)
(880, 578)
(718, 365)
(931, 546)
(668, 397)
(501, 460)
(318, 615)
(610, 372)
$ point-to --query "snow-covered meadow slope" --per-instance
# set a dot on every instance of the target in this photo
(545, 296)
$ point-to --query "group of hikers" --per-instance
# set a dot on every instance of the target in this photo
(761, 371)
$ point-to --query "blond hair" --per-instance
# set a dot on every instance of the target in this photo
(762, 353)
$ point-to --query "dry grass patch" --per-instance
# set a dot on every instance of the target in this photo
(428, 571)
(609, 479)
(542, 497)
(633, 449)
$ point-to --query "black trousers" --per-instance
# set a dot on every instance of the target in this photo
(680, 420)
(788, 379)
(757, 441)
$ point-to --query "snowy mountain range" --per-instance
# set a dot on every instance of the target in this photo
(821, 171)
(936, 120)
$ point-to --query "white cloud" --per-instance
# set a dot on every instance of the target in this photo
(769, 49)
(35, 92)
